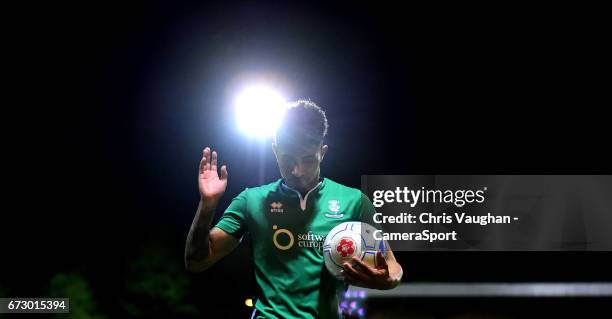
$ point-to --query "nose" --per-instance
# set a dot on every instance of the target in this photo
(297, 170)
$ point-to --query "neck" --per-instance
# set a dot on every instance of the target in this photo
(308, 188)
(304, 190)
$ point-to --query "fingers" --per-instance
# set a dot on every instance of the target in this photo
(213, 162)
(205, 160)
(223, 172)
(209, 162)
(350, 271)
(381, 262)
(369, 270)
(202, 165)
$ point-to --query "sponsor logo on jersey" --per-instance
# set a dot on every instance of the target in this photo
(276, 207)
(287, 233)
(334, 209)
(284, 239)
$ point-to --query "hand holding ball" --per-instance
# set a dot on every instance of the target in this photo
(348, 240)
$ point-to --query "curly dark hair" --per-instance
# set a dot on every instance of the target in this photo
(304, 122)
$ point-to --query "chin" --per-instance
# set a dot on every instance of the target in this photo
(298, 183)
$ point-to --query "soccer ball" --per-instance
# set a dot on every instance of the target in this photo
(347, 240)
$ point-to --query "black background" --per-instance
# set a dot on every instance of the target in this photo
(108, 107)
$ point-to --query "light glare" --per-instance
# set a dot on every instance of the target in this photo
(259, 111)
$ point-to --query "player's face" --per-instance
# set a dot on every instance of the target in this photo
(300, 165)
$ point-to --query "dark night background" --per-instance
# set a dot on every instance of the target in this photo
(113, 104)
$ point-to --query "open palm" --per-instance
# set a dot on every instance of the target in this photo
(211, 185)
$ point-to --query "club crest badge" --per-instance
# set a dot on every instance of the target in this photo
(334, 209)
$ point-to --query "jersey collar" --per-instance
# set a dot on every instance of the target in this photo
(303, 200)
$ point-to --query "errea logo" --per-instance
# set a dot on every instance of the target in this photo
(276, 207)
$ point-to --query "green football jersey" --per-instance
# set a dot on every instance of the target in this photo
(288, 233)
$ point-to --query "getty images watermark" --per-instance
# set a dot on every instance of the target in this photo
(491, 212)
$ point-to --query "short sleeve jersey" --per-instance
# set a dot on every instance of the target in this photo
(287, 232)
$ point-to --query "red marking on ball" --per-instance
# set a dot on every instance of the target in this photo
(346, 247)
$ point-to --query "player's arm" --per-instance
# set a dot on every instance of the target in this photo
(388, 272)
(206, 246)
(393, 267)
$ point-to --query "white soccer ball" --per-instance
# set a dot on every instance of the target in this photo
(347, 240)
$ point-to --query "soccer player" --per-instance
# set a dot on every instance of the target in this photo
(288, 220)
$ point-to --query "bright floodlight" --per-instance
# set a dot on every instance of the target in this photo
(259, 111)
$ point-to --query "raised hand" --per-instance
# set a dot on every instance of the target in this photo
(211, 185)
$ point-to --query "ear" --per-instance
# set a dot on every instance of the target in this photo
(323, 151)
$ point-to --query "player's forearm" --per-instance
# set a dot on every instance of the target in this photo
(197, 248)
(395, 274)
